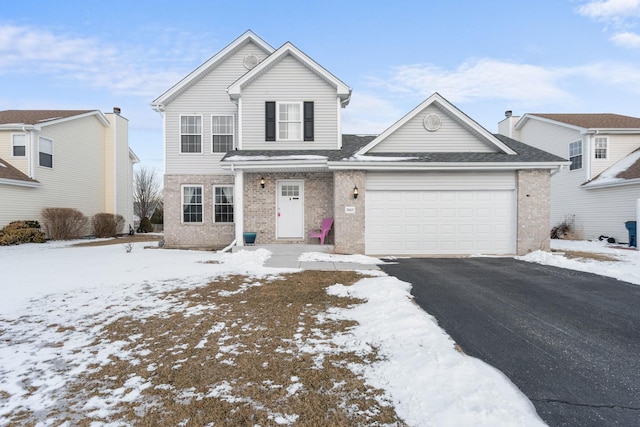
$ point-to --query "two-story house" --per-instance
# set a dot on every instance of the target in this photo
(598, 192)
(64, 158)
(253, 142)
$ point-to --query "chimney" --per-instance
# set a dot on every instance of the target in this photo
(507, 126)
(116, 110)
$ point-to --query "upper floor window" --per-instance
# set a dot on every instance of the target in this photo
(223, 204)
(19, 145)
(45, 152)
(600, 148)
(289, 121)
(192, 203)
(575, 155)
(191, 134)
(222, 133)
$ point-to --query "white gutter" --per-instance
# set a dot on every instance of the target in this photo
(621, 183)
(20, 183)
(273, 164)
(394, 166)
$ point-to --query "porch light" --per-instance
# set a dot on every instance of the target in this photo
(355, 192)
(262, 182)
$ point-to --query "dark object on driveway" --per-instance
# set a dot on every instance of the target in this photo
(569, 340)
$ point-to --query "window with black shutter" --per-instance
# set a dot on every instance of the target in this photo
(308, 121)
(270, 121)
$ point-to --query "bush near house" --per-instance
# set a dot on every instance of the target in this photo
(145, 226)
(107, 225)
(21, 232)
(64, 223)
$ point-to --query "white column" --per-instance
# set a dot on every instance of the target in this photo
(238, 206)
(637, 220)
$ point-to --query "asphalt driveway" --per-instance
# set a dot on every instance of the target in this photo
(569, 340)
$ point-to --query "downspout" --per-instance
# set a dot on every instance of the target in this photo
(29, 150)
(116, 114)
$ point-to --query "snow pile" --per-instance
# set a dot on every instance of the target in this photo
(324, 257)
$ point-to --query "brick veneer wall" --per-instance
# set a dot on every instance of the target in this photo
(260, 204)
(349, 227)
(534, 205)
(205, 235)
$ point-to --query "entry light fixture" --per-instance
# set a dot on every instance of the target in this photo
(262, 182)
(355, 192)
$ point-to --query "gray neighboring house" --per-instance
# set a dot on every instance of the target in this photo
(598, 192)
(253, 143)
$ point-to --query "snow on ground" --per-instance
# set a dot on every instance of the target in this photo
(324, 257)
(77, 288)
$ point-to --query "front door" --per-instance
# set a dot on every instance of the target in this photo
(290, 210)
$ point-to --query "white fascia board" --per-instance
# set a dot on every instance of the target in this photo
(17, 126)
(611, 131)
(621, 183)
(158, 104)
(451, 109)
(99, 115)
(273, 164)
(395, 166)
(133, 157)
(528, 116)
(343, 91)
(20, 183)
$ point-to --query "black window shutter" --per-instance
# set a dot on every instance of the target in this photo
(308, 121)
(270, 121)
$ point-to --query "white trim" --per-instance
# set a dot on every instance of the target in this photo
(235, 89)
(13, 135)
(238, 208)
(595, 147)
(339, 127)
(449, 108)
(182, 187)
(396, 166)
(233, 132)
(621, 183)
(40, 137)
(180, 134)
(19, 183)
(213, 200)
(300, 104)
(582, 165)
(160, 102)
(239, 143)
(520, 123)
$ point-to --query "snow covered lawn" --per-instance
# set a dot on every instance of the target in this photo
(106, 337)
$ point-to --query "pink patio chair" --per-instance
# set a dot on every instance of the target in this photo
(324, 230)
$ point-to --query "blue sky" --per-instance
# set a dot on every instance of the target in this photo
(484, 56)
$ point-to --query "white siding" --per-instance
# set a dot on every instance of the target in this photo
(289, 80)
(412, 137)
(618, 147)
(206, 97)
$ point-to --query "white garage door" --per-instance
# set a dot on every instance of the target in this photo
(452, 221)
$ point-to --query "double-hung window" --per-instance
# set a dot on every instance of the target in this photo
(289, 121)
(19, 141)
(600, 148)
(45, 152)
(575, 155)
(191, 203)
(222, 133)
(191, 134)
(223, 203)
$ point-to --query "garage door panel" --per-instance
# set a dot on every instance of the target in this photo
(440, 222)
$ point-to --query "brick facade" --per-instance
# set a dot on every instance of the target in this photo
(534, 203)
(204, 235)
(349, 212)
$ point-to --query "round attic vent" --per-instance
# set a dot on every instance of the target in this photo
(432, 122)
(250, 61)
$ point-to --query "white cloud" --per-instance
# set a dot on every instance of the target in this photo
(627, 39)
(131, 71)
(480, 80)
(369, 114)
(611, 10)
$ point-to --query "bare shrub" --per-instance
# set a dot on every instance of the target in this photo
(107, 225)
(21, 232)
(64, 223)
(565, 230)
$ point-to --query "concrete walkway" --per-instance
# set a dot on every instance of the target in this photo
(287, 255)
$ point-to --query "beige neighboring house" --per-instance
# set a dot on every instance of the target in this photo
(598, 191)
(253, 142)
(65, 158)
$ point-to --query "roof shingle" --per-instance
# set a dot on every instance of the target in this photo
(33, 117)
(10, 172)
(594, 121)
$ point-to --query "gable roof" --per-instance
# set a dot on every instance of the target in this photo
(197, 74)
(454, 112)
(587, 120)
(11, 175)
(624, 172)
(39, 117)
(288, 49)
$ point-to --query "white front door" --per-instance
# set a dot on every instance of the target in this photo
(290, 210)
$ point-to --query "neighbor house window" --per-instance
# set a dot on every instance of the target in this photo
(575, 155)
(222, 133)
(45, 152)
(192, 203)
(289, 121)
(601, 145)
(223, 204)
(19, 145)
(191, 134)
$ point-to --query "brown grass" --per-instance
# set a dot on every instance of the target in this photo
(233, 355)
(580, 255)
(136, 238)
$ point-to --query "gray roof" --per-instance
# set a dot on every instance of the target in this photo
(352, 143)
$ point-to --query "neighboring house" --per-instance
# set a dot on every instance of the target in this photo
(253, 142)
(64, 158)
(598, 191)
